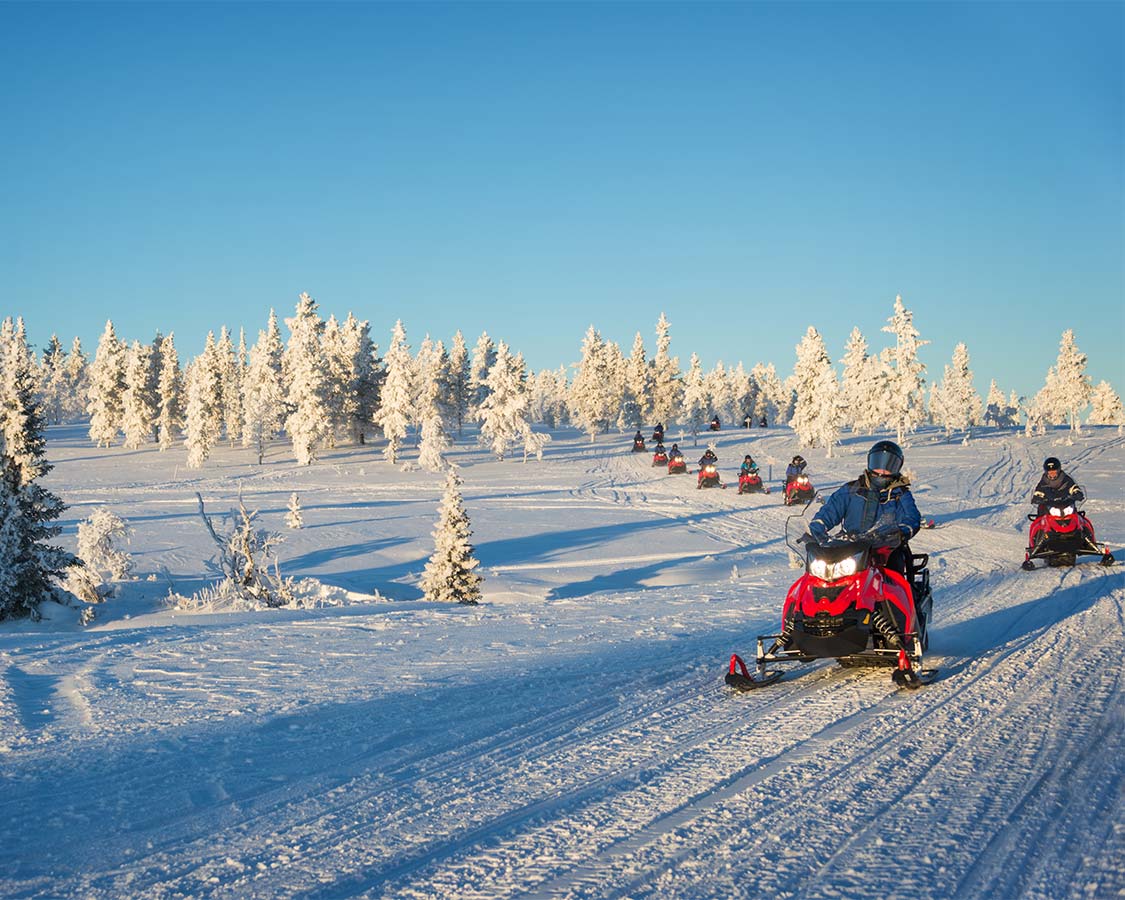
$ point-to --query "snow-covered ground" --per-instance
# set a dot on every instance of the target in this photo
(571, 736)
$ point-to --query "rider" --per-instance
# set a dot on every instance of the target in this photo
(1055, 487)
(638, 438)
(748, 467)
(658, 433)
(708, 457)
(659, 448)
(795, 468)
(877, 502)
(715, 426)
(675, 451)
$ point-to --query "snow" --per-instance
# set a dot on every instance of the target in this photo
(570, 737)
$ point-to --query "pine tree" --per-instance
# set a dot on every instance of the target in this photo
(693, 416)
(907, 404)
(396, 396)
(742, 393)
(1069, 394)
(856, 394)
(139, 406)
(308, 425)
(593, 400)
(817, 414)
(484, 357)
(364, 375)
(955, 405)
(503, 412)
(170, 390)
(77, 381)
(636, 405)
(769, 388)
(667, 389)
(547, 393)
(107, 388)
(293, 517)
(230, 386)
(263, 399)
(717, 387)
(449, 576)
(53, 386)
(457, 387)
(431, 378)
(1105, 407)
(994, 406)
(28, 565)
(203, 416)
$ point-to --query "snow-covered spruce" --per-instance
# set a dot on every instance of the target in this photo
(817, 414)
(955, 404)
(306, 372)
(98, 537)
(449, 576)
(907, 408)
(396, 397)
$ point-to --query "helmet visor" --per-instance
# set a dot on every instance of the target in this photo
(884, 459)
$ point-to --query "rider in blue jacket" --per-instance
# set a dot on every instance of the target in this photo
(878, 504)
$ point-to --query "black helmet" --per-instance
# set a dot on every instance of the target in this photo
(1052, 464)
(798, 460)
(886, 455)
(749, 457)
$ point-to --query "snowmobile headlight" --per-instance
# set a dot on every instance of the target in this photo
(802, 479)
(1068, 511)
(844, 568)
(818, 568)
(1056, 512)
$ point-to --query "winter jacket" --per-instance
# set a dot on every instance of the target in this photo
(1051, 493)
(860, 507)
(792, 471)
(748, 468)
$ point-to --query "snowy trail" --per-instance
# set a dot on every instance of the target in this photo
(584, 747)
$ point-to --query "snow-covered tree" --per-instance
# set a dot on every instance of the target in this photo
(449, 576)
(817, 414)
(106, 388)
(139, 404)
(593, 400)
(263, 399)
(636, 403)
(170, 394)
(98, 538)
(53, 387)
(503, 412)
(457, 390)
(77, 381)
(308, 423)
(955, 404)
(907, 409)
(994, 406)
(696, 401)
(431, 378)
(547, 397)
(395, 410)
(742, 392)
(770, 392)
(230, 384)
(364, 374)
(862, 386)
(21, 424)
(1067, 390)
(1105, 407)
(483, 359)
(667, 389)
(203, 415)
(293, 517)
(720, 401)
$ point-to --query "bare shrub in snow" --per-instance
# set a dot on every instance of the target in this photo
(251, 572)
(293, 518)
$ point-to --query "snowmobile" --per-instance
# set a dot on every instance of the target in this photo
(638, 445)
(751, 483)
(658, 435)
(715, 426)
(660, 457)
(850, 607)
(708, 476)
(677, 464)
(799, 490)
(1060, 535)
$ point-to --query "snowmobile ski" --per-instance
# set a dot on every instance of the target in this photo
(739, 677)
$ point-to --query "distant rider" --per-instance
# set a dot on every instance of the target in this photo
(1055, 488)
(795, 468)
(658, 433)
(748, 467)
(878, 503)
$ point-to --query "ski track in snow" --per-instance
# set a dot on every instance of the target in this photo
(585, 747)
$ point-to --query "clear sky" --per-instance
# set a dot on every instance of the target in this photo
(533, 168)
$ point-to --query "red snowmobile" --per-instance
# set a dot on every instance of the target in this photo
(708, 476)
(677, 464)
(751, 483)
(849, 607)
(799, 490)
(639, 445)
(660, 457)
(1060, 535)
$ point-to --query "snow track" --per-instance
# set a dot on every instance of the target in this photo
(585, 747)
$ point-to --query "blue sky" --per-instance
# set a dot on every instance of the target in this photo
(534, 168)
